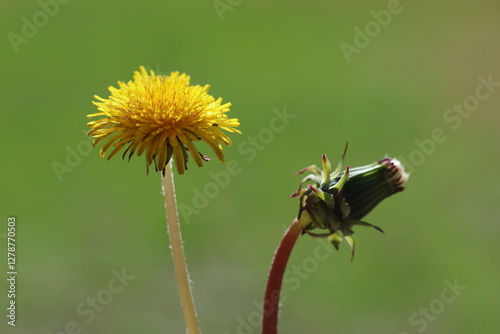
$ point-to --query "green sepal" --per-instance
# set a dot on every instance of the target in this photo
(362, 223)
(300, 191)
(350, 241)
(344, 207)
(335, 239)
(339, 185)
(337, 170)
(325, 173)
(313, 168)
(317, 192)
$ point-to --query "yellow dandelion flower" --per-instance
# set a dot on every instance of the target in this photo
(161, 116)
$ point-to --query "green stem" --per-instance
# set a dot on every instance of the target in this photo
(275, 279)
(179, 260)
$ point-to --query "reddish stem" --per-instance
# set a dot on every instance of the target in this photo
(275, 278)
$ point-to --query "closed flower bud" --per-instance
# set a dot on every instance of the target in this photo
(337, 201)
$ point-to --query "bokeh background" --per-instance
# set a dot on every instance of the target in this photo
(79, 217)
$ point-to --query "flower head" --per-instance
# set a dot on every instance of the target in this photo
(161, 116)
(338, 200)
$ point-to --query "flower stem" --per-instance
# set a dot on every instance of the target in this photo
(276, 273)
(177, 251)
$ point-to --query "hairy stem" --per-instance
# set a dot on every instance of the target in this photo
(275, 279)
(177, 251)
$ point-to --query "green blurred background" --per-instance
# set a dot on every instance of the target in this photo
(75, 228)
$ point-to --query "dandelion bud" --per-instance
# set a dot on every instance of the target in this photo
(337, 201)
